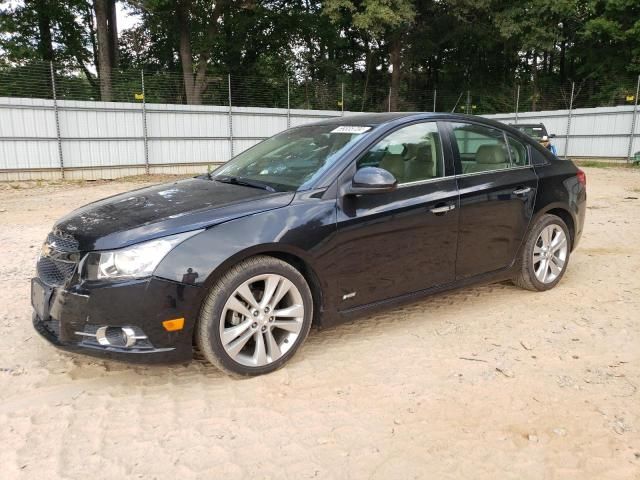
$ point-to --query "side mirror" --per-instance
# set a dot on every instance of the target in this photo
(372, 180)
(545, 138)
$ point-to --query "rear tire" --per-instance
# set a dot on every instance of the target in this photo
(243, 332)
(545, 255)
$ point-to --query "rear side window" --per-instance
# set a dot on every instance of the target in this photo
(518, 153)
(481, 149)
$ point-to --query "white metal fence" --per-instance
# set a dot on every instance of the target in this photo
(46, 139)
(611, 133)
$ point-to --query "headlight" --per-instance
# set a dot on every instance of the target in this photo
(137, 261)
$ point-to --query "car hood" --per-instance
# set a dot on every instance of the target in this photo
(164, 209)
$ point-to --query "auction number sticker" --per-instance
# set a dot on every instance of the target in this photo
(350, 129)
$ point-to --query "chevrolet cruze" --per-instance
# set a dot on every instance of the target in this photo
(314, 225)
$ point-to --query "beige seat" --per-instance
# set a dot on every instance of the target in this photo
(488, 157)
(394, 163)
(419, 164)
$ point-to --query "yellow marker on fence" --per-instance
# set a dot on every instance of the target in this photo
(139, 96)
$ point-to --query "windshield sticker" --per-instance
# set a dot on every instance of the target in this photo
(350, 129)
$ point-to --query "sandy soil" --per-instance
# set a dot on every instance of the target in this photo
(491, 382)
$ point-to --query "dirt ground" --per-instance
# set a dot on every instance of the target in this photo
(491, 382)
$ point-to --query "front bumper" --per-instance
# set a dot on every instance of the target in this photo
(59, 313)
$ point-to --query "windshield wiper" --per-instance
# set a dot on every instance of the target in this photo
(245, 182)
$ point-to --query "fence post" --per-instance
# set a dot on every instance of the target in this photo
(517, 102)
(230, 118)
(57, 117)
(468, 106)
(288, 103)
(633, 121)
(566, 140)
(342, 98)
(144, 125)
(389, 108)
(435, 95)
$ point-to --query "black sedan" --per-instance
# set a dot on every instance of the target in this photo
(312, 226)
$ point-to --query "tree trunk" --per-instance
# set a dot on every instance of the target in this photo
(367, 70)
(534, 81)
(396, 60)
(45, 44)
(104, 59)
(184, 48)
(113, 34)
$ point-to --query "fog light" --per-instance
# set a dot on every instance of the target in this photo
(121, 337)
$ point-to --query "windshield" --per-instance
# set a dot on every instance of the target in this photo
(291, 159)
(535, 132)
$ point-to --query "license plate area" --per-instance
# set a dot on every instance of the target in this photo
(40, 298)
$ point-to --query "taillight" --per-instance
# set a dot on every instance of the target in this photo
(582, 178)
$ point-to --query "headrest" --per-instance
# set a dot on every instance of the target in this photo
(491, 154)
(396, 149)
(411, 151)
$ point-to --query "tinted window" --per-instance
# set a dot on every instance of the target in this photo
(411, 154)
(518, 153)
(293, 158)
(481, 148)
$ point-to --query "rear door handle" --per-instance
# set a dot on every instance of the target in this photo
(443, 209)
(522, 191)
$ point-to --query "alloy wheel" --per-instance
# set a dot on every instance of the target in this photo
(550, 253)
(261, 320)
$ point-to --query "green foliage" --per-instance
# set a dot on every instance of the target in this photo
(484, 47)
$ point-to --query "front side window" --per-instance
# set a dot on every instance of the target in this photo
(292, 159)
(481, 149)
(411, 154)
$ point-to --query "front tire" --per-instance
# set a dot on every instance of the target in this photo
(545, 255)
(255, 317)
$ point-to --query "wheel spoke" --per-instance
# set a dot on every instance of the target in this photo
(293, 311)
(555, 270)
(234, 348)
(537, 254)
(559, 243)
(292, 326)
(231, 333)
(260, 353)
(541, 271)
(270, 285)
(558, 261)
(546, 237)
(237, 306)
(272, 346)
(283, 288)
(247, 295)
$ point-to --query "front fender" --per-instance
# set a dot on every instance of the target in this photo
(302, 229)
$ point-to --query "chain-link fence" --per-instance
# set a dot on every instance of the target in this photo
(43, 80)
(224, 96)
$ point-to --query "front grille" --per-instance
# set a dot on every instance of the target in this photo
(54, 272)
(62, 242)
(58, 259)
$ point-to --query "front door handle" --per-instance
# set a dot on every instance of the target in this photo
(443, 209)
(522, 191)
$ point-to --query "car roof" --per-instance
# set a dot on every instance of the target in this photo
(517, 125)
(378, 119)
